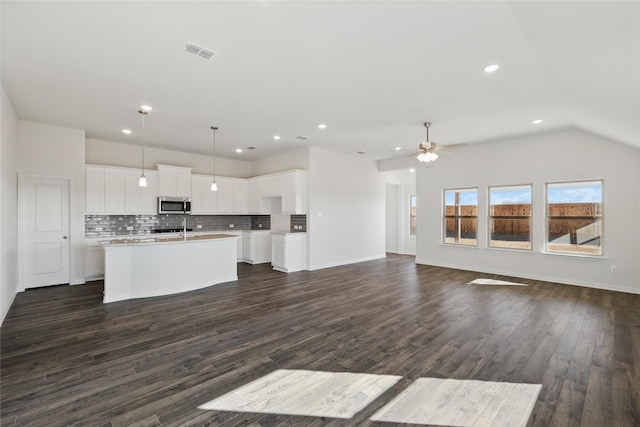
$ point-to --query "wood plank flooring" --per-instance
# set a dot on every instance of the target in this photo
(67, 359)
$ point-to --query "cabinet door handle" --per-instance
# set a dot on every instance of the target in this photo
(65, 237)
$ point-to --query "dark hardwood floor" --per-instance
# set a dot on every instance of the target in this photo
(68, 359)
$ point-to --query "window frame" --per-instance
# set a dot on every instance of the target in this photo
(457, 217)
(514, 217)
(547, 217)
(413, 197)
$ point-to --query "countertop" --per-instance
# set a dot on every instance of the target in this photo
(167, 239)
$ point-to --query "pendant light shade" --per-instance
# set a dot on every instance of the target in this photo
(214, 185)
(143, 111)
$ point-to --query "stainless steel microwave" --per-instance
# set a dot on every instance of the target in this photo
(174, 205)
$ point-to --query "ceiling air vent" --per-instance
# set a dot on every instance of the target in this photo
(203, 52)
(302, 137)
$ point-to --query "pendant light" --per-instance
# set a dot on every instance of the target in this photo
(144, 110)
(214, 186)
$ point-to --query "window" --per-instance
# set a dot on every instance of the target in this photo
(510, 217)
(461, 216)
(574, 217)
(412, 216)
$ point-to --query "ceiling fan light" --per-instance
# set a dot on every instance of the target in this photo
(431, 156)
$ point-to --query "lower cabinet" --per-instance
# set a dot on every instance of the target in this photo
(256, 246)
(93, 259)
(289, 252)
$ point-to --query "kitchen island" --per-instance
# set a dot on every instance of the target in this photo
(154, 266)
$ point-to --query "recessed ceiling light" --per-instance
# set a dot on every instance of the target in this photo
(412, 170)
(537, 121)
(126, 131)
(276, 137)
(322, 126)
(398, 148)
(491, 68)
(145, 108)
(238, 150)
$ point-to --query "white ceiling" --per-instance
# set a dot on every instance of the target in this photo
(372, 71)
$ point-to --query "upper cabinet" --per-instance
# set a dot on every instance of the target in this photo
(111, 190)
(231, 197)
(203, 200)
(114, 190)
(174, 181)
(294, 192)
(291, 186)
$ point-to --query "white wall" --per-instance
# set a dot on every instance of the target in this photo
(400, 185)
(556, 156)
(58, 151)
(8, 206)
(109, 153)
(393, 223)
(346, 210)
(295, 159)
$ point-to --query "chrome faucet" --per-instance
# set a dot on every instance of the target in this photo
(184, 226)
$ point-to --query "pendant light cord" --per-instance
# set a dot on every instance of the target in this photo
(214, 152)
(143, 113)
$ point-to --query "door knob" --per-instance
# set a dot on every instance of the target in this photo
(65, 237)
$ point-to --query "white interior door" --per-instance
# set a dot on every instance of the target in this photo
(45, 231)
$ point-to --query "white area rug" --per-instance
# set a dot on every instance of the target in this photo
(494, 282)
(468, 403)
(310, 393)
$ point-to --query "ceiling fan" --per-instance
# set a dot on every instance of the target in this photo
(426, 149)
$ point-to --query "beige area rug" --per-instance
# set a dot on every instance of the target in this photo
(307, 393)
(494, 282)
(468, 403)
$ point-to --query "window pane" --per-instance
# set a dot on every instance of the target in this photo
(412, 216)
(510, 217)
(461, 216)
(510, 233)
(575, 235)
(574, 217)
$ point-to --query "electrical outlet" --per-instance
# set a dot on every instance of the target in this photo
(259, 225)
(231, 225)
(614, 269)
(129, 228)
(199, 226)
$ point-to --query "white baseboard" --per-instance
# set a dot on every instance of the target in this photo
(6, 311)
(542, 277)
(346, 262)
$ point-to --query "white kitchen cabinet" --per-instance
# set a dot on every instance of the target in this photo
(291, 186)
(203, 200)
(256, 246)
(140, 200)
(94, 190)
(289, 252)
(239, 198)
(232, 196)
(93, 259)
(174, 181)
(294, 192)
(257, 203)
(113, 190)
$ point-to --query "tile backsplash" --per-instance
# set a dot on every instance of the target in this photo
(116, 225)
(298, 223)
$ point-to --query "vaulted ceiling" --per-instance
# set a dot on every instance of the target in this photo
(373, 72)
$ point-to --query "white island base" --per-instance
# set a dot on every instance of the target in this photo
(151, 267)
